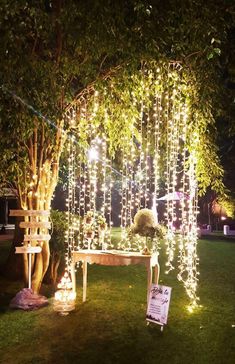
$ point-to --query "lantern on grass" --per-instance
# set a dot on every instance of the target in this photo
(64, 300)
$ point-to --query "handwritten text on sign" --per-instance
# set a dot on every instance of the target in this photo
(158, 305)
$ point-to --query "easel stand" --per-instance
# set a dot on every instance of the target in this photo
(28, 250)
(158, 305)
(154, 322)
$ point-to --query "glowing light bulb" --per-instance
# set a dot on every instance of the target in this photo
(93, 154)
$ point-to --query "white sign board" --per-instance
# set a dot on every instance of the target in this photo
(28, 249)
(158, 304)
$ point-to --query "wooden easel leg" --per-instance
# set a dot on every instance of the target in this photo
(30, 269)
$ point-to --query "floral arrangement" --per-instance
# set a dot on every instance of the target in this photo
(94, 229)
(88, 218)
(88, 225)
(145, 225)
(101, 223)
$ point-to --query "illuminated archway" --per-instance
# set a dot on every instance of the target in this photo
(158, 155)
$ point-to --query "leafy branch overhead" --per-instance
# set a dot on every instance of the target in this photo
(53, 52)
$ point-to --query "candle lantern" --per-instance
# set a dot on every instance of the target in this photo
(64, 300)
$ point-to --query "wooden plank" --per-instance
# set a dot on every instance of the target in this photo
(40, 237)
(28, 249)
(35, 224)
(29, 213)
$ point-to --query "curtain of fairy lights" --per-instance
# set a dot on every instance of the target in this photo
(167, 113)
(140, 168)
(147, 163)
(188, 259)
(184, 202)
(156, 156)
(127, 196)
(108, 206)
(162, 143)
(157, 123)
(124, 198)
(105, 185)
(94, 182)
(174, 126)
(191, 247)
(71, 202)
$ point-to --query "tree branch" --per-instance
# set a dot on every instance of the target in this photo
(34, 45)
(57, 6)
(193, 54)
(30, 153)
(35, 154)
(90, 88)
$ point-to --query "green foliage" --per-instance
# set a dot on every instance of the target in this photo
(209, 169)
(59, 225)
(120, 98)
(52, 50)
(228, 205)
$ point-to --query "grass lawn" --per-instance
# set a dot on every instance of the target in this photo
(111, 328)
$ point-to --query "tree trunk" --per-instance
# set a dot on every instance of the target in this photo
(55, 262)
(52, 274)
(36, 185)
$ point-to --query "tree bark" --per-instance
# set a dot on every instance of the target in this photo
(36, 186)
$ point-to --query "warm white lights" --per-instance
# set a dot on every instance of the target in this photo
(158, 156)
(93, 154)
(163, 139)
(64, 300)
(71, 203)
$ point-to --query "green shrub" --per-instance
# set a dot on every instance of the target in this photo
(57, 244)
